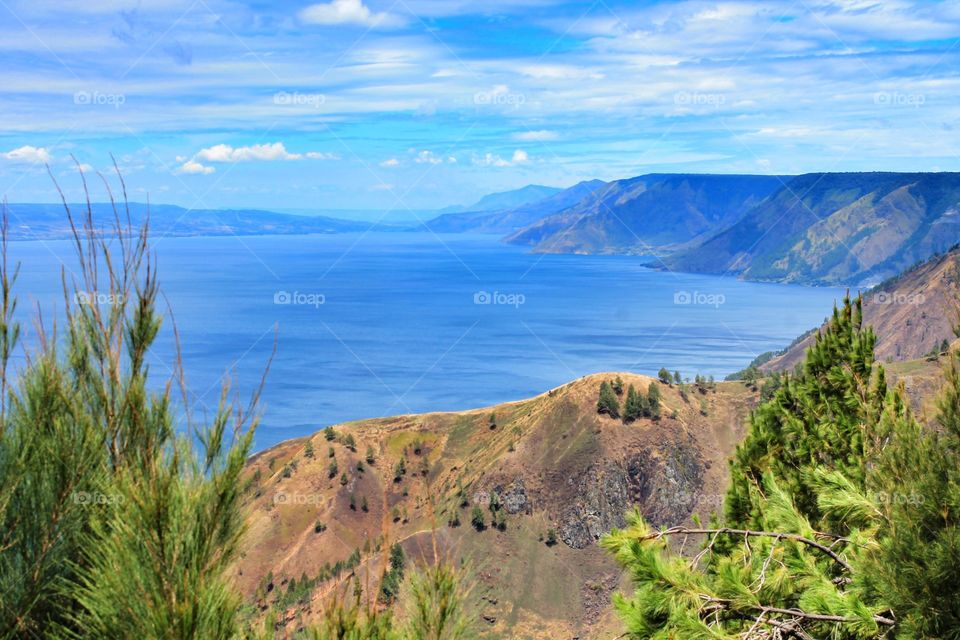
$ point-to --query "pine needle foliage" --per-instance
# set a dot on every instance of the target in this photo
(115, 522)
(842, 521)
(111, 524)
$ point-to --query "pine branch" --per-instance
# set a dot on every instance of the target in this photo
(747, 533)
(723, 604)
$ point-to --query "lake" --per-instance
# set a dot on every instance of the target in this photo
(385, 323)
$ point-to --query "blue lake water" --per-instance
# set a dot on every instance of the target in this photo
(380, 324)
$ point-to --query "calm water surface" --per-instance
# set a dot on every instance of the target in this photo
(381, 324)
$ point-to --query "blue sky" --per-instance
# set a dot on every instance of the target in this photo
(424, 103)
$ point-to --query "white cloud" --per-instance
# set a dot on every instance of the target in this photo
(192, 166)
(225, 153)
(28, 154)
(536, 136)
(84, 167)
(349, 12)
(429, 157)
(392, 162)
(493, 160)
(490, 160)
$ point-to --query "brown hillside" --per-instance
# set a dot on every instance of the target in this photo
(553, 463)
(911, 314)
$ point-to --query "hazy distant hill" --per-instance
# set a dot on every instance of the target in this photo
(49, 221)
(509, 220)
(506, 199)
(835, 228)
(639, 214)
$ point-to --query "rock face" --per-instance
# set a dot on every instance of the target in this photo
(662, 483)
(514, 498)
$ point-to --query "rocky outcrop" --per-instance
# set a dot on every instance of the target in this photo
(514, 498)
(663, 483)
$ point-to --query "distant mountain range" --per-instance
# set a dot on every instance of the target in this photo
(835, 228)
(505, 200)
(646, 213)
(854, 229)
(49, 221)
(508, 220)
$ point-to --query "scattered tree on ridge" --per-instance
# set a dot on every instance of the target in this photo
(607, 402)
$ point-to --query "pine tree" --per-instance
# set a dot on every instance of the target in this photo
(653, 401)
(634, 407)
(618, 385)
(913, 499)
(664, 376)
(789, 557)
(113, 525)
(100, 498)
(477, 519)
(494, 502)
(607, 402)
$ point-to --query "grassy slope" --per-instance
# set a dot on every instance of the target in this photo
(911, 314)
(569, 460)
(579, 471)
